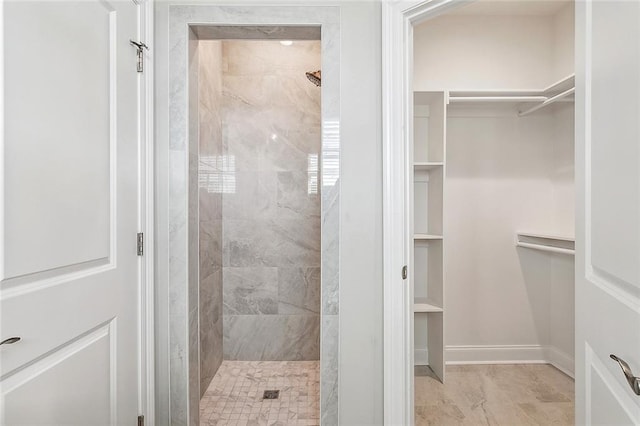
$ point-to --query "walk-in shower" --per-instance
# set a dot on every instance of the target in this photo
(259, 165)
(253, 220)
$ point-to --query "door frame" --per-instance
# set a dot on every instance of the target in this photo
(398, 19)
(146, 215)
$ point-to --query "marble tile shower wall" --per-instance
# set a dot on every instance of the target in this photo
(271, 201)
(210, 171)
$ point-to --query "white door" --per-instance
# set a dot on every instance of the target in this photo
(608, 212)
(69, 209)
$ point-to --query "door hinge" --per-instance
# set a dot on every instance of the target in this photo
(140, 243)
(404, 272)
(140, 46)
(140, 420)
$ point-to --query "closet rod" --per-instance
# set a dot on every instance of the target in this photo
(549, 101)
(546, 248)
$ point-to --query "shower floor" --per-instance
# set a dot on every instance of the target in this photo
(235, 395)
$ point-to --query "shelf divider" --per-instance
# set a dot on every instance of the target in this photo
(427, 165)
(421, 305)
(426, 237)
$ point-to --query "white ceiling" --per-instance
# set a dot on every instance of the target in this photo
(512, 7)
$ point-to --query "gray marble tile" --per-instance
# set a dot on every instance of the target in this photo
(243, 144)
(262, 57)
(178, 337)
(271, 337)
(298, 195)
(329, 356)
(193, 226)
(291, 150)
(296, 242)
(210, 247)
(210, 205)
(330, 251)
(261, 145)
(254, 196)
(250, 291)
(210, 98)
(287, 101)
(271, 243)
(179, 391)
(194, 366)
(210, 182)
(259, 32)
(298, 290)
(210, 327)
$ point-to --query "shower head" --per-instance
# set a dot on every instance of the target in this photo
(315, 77)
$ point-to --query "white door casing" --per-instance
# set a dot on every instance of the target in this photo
(398, 19)
(69, 196)
(608, 210)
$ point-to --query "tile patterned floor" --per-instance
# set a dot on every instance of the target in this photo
(234, 396)
(497, 395)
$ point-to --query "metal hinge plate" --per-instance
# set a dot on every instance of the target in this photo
(140, 420)
(140, 244)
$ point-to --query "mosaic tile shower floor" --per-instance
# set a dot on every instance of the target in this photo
(235, 395)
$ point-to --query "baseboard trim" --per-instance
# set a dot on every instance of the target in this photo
(509, 354)
(500, 354)
(561, 361)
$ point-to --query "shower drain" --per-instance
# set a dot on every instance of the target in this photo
(271, 394)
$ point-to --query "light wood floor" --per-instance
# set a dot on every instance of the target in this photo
(497, 395)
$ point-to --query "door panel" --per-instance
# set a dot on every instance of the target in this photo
(606, 405)
(615, 102)
(72, 371)
(69, 266)
(50, 62)
(608, 214)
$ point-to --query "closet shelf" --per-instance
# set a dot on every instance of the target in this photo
(422, 305)
(560, 91)
(426, 237)
(494, 97)
(545, 242)
(561, 85)
(557, 98)
(426, 165)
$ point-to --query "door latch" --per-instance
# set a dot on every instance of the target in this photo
(404, 272)
(141, 47)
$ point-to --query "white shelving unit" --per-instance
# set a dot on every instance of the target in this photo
(428, 155)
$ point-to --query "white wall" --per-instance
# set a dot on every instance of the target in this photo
(497, 183)
(361, 313)
(564, 42)
(361, 345)
(483, 52)
(562, 308)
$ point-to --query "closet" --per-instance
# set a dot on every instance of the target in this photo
(492, 179)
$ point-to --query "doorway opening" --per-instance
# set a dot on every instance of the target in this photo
(492, 214)
(255, 103)
(490, 228)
